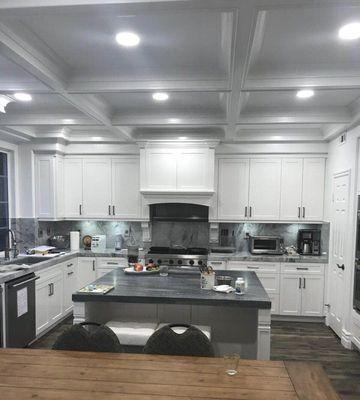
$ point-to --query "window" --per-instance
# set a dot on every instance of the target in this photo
(4, 200)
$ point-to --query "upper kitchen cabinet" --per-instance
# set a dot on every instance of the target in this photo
(49, 186)
(302, 189)
(233, 189)
(174, 169)
(271, 189)
(264, 190)
(102, 188)
(125, 175)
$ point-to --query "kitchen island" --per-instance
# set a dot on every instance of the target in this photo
(240, 324)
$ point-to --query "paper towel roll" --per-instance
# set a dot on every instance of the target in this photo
(74, 240)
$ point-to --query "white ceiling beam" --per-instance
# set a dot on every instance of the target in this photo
(120, 120)
(244, 28)
(15, 136)
(288, 83)
(110, 86)
(305, 118)
(45, 119)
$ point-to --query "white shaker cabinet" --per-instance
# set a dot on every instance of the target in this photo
(302, 290)
(291, 189)
(233, 189)
(70, 283)
(73, 187)
(313, 189)
(86, 271)
(125, 175)
(264, 191)
(159, 171)
(97, 188)
(49, 186)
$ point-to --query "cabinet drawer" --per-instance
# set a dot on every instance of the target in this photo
(112, 262)
(267, 267)
(217, 265)
(303, 269)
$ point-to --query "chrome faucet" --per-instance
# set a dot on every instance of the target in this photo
(13, 247)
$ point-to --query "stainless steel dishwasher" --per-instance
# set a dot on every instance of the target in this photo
(20, 311)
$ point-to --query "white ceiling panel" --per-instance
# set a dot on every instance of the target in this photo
(180, 44)
(303, 42)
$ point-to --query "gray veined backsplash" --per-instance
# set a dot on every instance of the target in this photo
(237, 233)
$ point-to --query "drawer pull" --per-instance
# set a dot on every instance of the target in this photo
(112, 263)
(342, 266)
(252, 267)
(70, 273)
(70, 265)
(216, 262)
(302, 268)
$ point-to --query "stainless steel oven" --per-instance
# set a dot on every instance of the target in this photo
(266, 245)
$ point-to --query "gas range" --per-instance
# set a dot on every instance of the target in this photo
(177, 256)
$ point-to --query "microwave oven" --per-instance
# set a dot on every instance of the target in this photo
(266, 245)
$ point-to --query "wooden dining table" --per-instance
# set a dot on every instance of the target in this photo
(64, 375)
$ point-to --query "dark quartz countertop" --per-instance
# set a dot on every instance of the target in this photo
(176, 289)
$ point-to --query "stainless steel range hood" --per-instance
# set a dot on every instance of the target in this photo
(180, 212)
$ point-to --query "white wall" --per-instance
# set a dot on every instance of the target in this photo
(343, 157)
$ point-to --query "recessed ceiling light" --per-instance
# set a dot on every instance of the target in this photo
(350, 31)
(128, 39)
(305, 94)
(174, 120)
(4, 101)
(160, 96)
(182, 137)
(22, 96)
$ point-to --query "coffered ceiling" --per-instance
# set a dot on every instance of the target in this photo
(228, 69)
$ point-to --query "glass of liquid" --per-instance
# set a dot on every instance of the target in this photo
(164, 270)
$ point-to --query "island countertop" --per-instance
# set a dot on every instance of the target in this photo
(176, 289)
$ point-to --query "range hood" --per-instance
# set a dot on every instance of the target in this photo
(179, 212)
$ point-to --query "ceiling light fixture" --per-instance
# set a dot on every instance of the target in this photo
(174, 120)
(182, 137)
(305, 94)
(22, 96)
(127, 39)
(160, 96)
(4, 101)
(350, 31)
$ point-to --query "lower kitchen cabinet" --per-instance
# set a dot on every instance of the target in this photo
(106, 265)
(49, 298)
(302, 290)
(86, 271)
(70, 283)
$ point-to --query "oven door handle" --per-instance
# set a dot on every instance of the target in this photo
(22, 283)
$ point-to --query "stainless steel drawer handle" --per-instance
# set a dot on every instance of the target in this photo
(70, 265)
(112, 263)
(22, 283)
(302, 268)
(216, 262)
(251, 267)
(70, 273)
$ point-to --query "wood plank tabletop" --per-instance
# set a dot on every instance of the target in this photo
(64, 375)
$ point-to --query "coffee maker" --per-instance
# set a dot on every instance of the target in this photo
(308, 242)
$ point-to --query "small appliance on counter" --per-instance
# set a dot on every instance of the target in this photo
(273, 245)
(309, 242)
(119, 242)
(98, 243)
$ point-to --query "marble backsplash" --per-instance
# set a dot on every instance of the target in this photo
(237, 233)
(31, 232)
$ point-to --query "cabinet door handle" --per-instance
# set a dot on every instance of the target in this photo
(299, 212)
(250, 211)
(109, 210)
(70, 273)
(304, 285)
(80, 209)
(93, 265)
(303, 212)
(70, 265)
(342, 266)
(299, 283)
(49, 289)
(245, 211)
(113, 210)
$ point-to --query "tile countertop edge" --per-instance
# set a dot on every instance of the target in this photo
(47, 263)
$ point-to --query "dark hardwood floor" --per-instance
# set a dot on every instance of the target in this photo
(293, 341)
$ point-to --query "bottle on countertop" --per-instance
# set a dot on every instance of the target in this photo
(240, 286)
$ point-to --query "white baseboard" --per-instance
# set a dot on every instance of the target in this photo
(289, 318)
